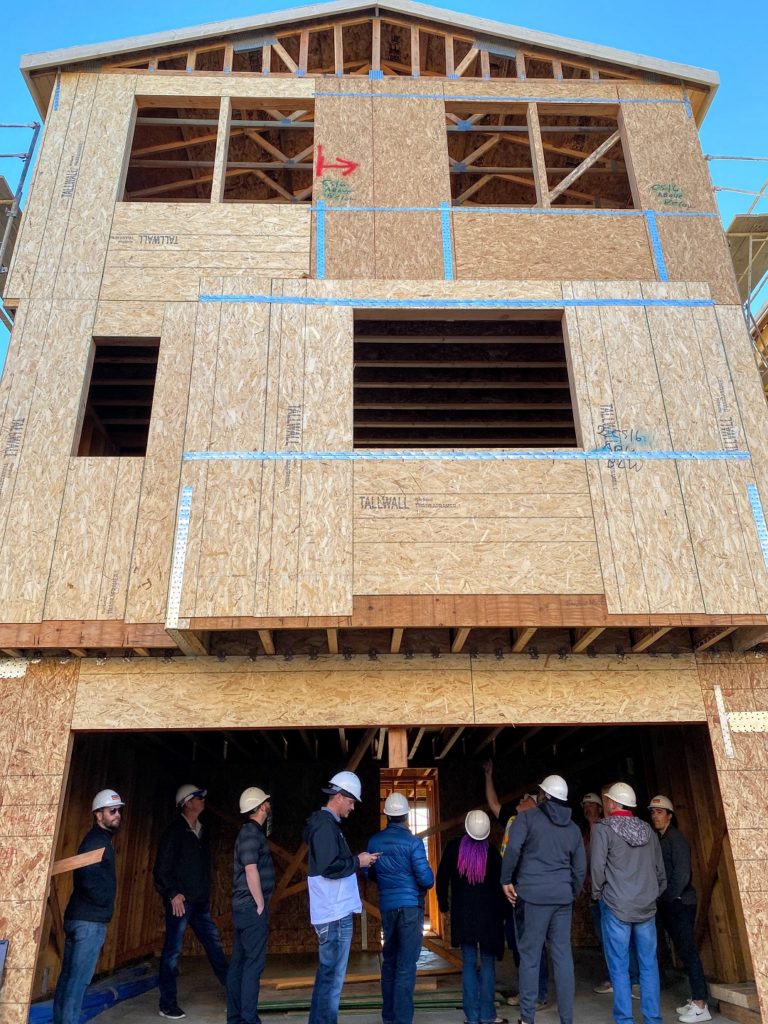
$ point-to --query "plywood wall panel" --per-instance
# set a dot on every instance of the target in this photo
(695, 249)
(116, 319)
(116, 571)
(241, 86)
(550, 247)
(325, 543)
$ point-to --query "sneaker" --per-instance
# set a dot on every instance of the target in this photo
(684, 1009)
(603, 988)
(635, 991)
(513, 1000)
(695, 1013)
(172, 1012)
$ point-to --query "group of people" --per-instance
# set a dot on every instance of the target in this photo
(526, 891)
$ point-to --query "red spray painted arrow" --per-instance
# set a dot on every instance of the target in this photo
(345, 166)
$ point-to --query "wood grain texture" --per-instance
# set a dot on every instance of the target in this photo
(695, 249)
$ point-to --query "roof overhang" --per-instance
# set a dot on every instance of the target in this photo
(51, 60)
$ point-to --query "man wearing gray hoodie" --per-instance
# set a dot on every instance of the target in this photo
(628, 877)
(542, 874)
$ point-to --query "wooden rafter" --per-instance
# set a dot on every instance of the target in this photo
(584, 166)
(586, 637)
(647, 638)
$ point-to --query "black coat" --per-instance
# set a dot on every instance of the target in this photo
(477, 911)
(183, 863)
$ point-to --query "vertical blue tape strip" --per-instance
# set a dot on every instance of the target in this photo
(658, 252)
(759, 517)
(320, 239)
(57, 92)
(445, 227)
(376, 74)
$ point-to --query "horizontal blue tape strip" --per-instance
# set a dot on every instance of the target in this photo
(471, 455)
(448, 97)
(550, 210)
(759, 517)
(362, 303)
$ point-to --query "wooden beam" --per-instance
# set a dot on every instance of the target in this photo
(332, 637)
(537, 156)
(284, 56)
(485, 64)
(706, 885)
(12, 652)
(189, 642)
(343, 741)
(360, 749)
(378, 747)
(376, 44)
(706, 638)
(303, 50)
(141, 651)
(338, 49)
(449, 65)
(584, 166)
(522, 638)
(397, 748)
(744, 639)
(78, 652)
(296, 860)
(395, 640)
(586, 637)
(416, 742)
(266, 59)
(222, 150)
(488, 740)
(520, 64)
(310, 742)
(415, 52)
(458, 638)
(468, 59)
(80, 860)
(267, 641)
(648, 638)
(451, 740)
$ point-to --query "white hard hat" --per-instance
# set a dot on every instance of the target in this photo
(556, 786)
(623, 794)
(396, 805)
(591, 798)
(106, 798)
(346, 783)
(252, 798)
(477, 825)
(661, 801)
(186, 792)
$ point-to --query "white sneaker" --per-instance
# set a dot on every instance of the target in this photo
(685, 1008)
(695, 1013)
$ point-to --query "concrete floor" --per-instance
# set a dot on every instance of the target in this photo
(203, 1001)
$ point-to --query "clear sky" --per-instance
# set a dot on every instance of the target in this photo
(727, 38)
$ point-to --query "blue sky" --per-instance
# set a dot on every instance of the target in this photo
(728, 41)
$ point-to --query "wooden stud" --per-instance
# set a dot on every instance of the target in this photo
(648, 638)
(142, 652)
(467, 61)
(361, 749)
(189, 642)
(537, 157)
(707, 638)
(396, 640)
(378, 746)
(303, 50)
(284, 56)
(458, 639)
(78, 652)
(415, 52)
(191, 60)
(449, 58)
(266, 59)
(416, 742)
(747, 637)
(222, 150)
(590, 161)
(332, 636)
(338, 49)
(586, 637)
(343, 741)
(80, 860)
(267, 642)
(557, 69)
(229, 56)
(485, 64)
(488, 740)
(12, 652)
(522, 638)
(451, 740)
(520, 65)
(397, 748)
(376, 44)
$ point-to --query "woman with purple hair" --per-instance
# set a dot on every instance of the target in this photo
(469, 883)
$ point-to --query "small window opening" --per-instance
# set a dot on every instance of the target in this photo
(172, 151)
(575, 71)
(321, 58)
(210, 60)
(270, 153)
(489, 153)
(357, 44)
(538, 67)
(174, 62)
(395, 49)
(118, 405)
(461, 382)
(431, 54)
(248, 60)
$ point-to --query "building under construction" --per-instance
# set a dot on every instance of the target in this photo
(378, 396)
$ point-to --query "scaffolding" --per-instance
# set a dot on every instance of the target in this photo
(11, 202)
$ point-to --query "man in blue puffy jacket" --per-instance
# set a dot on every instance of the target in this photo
(403, 877)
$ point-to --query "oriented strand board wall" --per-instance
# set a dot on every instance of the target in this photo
(743, 682)
(34, 745)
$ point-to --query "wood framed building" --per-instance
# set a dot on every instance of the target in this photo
(377, 373)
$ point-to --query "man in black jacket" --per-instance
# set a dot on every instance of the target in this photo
(182, 875)
(89, 910)
(542, 874)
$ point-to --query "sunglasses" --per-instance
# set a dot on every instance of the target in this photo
(113, 810)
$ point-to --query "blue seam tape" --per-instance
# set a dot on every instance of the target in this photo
(489, 99)
(445, 229)
(759, 517)
(57, 91)
(687, 103)
(375, 74)
(658, 252)
(516, 209)
(515, 455)
(446, 303)
(320, 240)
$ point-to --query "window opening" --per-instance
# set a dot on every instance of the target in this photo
(432, 54)
(248, 60)
(538, 67)
(172, 151)
(489, 154)
(118, 404)
(395, 49)
(461, 382)
(357, 46)
(210, 60)
(270, 153)
(321, 55)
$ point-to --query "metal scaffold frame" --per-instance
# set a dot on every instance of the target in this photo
(14, 205)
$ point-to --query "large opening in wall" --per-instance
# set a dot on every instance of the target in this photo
(292, 764)
(425, 380)
(269, 153)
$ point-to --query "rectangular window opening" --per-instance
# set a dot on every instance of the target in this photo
(248, 60)
(118, 403)
(270, 152)
(172, 150)
(489, 152)
(461, 381)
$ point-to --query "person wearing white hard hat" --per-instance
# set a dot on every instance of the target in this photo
(403, 876)
(89, 909)
(628, 877)
(182, 874)
(333, 893)
(252, 887)
(468, 884)
(677, 906)
(542, 874)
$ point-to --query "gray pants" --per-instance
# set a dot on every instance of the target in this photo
(536, 924)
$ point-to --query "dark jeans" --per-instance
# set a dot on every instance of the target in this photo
(82, 946)
(198, 917)
(402, 929)
(678, 920)
(249, 955)
(478, 985)
(511, 936)
(536, 925)
(334, 940)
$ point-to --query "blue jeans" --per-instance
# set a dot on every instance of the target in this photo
(617, 936)
(334, 940)
(537, 925)
(249, 956)
(634, 970)
(478, 987)
(511, 936)
(84, 940)
(198, 917)
(402, 929)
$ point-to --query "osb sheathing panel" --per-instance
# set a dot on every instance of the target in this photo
(240, 86)
(551, 247)
(663, 151)
(695, 249)
(137, 319)
(36, 731)
(459, 89)
(160, 250)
